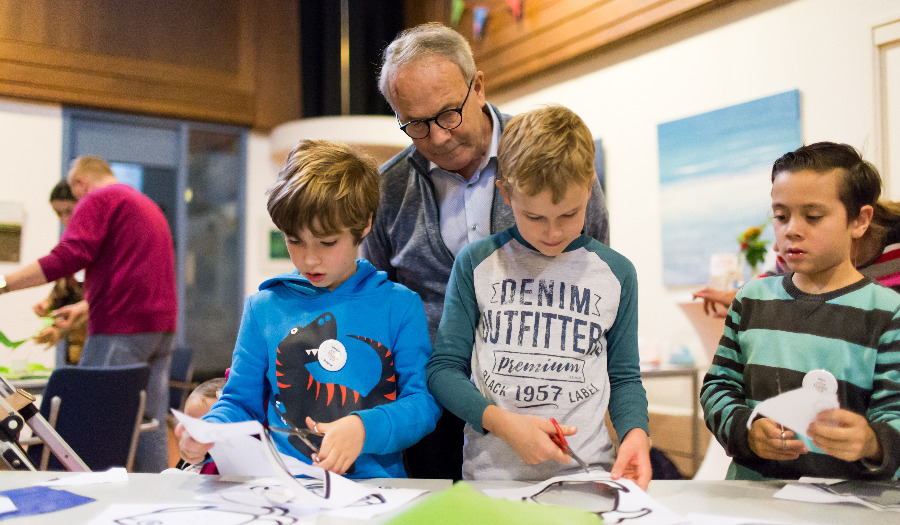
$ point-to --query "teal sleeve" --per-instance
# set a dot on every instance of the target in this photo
(450, 366)
(884, 405)
(627, 397)
(722, 395)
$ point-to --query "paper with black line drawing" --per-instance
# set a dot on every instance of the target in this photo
(615, 501)
(876, 495)
(268, 492)
(195, 514)
(239, 453)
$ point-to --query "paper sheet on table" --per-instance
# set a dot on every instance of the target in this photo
(113, 475)
(193, 514)
(6, 505)
(615, 501)
(261, 493)
(812, 490)
(796, 409)
(237, 452)
(710, 519)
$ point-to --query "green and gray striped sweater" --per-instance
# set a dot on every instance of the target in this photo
(774, 335)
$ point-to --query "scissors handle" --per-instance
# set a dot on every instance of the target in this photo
(559, 439)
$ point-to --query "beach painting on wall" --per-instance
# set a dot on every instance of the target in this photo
(715, 178)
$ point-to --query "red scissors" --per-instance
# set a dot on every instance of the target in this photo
(560, 440)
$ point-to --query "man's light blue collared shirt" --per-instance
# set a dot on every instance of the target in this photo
(465, 205)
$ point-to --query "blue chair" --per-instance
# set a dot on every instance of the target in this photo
(181, 375)
(97, 411)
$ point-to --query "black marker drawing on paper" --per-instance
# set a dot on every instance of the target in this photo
(600, 497)
(210, 514)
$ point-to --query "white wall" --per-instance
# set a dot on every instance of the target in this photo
(743, 52)
(30, 165)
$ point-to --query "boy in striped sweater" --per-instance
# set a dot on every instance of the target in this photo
(823, 314)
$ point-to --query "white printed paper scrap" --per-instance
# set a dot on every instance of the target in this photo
(198, 514)
(241, 454)
(7, 505)
(113, 475)
(615, 501)
(709, 519)
(797, 409)
(875, 495)
(269, 492)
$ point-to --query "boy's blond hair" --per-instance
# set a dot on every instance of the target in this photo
(549, 148)
(324, 187)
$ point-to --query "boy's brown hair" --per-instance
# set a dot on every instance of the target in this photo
(324, 187)
(549, 148)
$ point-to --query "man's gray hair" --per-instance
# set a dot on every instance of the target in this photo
(423, 41)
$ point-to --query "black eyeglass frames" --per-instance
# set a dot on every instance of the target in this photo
(447, 119)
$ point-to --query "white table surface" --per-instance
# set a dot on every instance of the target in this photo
(725, 498)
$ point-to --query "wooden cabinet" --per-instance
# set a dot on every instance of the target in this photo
(228, 61)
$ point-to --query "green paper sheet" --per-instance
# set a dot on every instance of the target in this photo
(461, 504)
(12, 345)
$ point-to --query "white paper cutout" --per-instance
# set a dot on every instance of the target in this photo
(615, 501)
(7, 505)
(239, 453)
(265, 492)
(797, 409)
(192, 514)
(815, 490)
(113, 475)
(695, 518)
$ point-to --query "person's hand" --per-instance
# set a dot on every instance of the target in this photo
(767, 440)
(715, 301)
(66, 315)
(42, 308)
(845, 435)
(49, 336)
(529, 436)
(191, 450)
(633, 461)
(342, 442)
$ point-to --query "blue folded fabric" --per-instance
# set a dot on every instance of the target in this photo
(40, 500)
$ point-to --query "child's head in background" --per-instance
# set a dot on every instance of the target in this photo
(204, 397)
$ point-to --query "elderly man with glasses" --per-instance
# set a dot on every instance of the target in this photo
(439, 193)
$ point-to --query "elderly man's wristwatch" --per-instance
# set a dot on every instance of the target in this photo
(3, 287)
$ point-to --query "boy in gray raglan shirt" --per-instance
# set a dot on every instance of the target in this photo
(540, 322)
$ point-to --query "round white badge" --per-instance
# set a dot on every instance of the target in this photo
(332, 355)
(822, 381)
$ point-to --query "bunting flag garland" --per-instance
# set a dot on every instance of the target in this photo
(459, 6)
(516, 7)
(479, 17)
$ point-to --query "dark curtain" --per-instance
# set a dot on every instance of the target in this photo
(373, 24)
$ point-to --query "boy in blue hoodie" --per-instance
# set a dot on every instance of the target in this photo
(333, 345)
